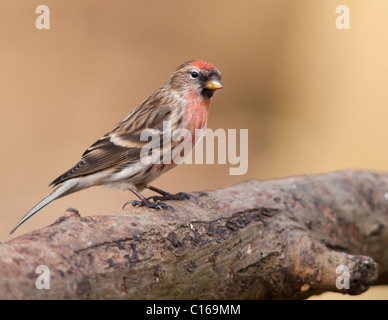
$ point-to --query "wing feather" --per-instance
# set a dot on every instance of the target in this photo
(122, 145)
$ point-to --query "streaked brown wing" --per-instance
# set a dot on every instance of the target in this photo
(100, 159)
(127, 133)
(120, 146)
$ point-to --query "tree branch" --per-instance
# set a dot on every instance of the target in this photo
(256, 240)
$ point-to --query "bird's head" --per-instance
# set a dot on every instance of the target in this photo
(195, 79)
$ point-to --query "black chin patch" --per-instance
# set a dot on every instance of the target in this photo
(207, 93)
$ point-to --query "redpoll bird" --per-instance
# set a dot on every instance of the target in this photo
(115, 159)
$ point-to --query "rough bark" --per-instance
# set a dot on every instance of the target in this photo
(256, 240)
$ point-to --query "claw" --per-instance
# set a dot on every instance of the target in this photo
(161, 206)
(125, 204)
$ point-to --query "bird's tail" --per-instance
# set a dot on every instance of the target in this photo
(65, 188)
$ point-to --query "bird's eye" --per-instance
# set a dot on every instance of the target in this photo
(194, 74)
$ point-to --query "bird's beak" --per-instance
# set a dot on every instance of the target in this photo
(213, 85)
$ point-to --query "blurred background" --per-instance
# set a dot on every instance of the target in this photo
(313, 97)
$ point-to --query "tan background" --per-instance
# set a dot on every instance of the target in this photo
(314, 98)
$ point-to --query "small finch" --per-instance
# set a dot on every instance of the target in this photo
(115, 159)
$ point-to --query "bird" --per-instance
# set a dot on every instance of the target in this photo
(115, 160)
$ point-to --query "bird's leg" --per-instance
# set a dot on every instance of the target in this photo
(145, 202)
(169, 196)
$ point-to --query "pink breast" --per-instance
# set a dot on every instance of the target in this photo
(195, 117)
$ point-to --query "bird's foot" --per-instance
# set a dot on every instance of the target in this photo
(169, 196)
(148, 204)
